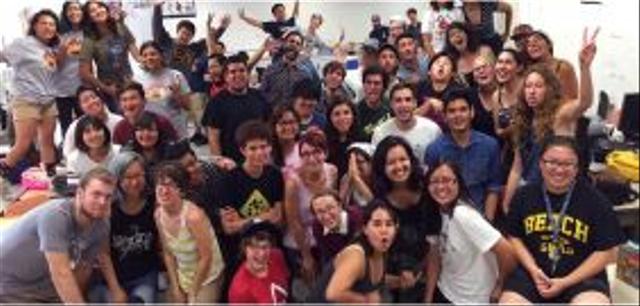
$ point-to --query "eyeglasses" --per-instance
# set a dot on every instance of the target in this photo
(443, 181)
(559, 164)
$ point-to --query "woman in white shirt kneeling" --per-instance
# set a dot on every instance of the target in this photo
(470, 259)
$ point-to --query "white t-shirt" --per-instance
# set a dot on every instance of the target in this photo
(419, 137)
(437, 23)
(469, 269)
(80, 163)
(69, 143)
(158, 95)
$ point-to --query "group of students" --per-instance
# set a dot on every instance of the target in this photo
(448, 173)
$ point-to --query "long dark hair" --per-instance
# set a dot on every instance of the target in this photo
(36, 17)
(333, 136)
(278, 113)
(65, 24)
(367, 214)
(147, 121)
(463, 191)
(472, 41)
(91, 28)
(381, 183)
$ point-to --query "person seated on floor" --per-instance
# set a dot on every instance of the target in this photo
(263, 276)
(148, 140)
(132, 104)
(48, 254)
(91, 104)
(131, 256)
(335, 226)
(564, 232)
(93, 140)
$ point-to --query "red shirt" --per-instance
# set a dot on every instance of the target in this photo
(271, 289)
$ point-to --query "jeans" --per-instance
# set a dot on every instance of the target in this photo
(143, 289)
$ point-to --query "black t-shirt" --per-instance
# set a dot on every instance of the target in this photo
(369, 118)
(410, 246)
(482, 119)
(227, 112)
(277, 28)
(425, 90)
(253, 196)
(589, 225)
(206, 195)
(134, 243)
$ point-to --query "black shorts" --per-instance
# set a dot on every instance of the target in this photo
(521, 283)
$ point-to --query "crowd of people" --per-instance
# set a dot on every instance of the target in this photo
(450, 171)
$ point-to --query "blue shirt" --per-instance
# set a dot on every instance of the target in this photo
(479, 162)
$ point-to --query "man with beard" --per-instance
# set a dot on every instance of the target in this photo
(418, 131)
(48, 254)
(288, 69)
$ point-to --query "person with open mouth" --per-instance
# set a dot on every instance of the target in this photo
(357, 273)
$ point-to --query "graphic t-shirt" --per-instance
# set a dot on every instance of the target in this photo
(252, 197)
(111, 55)
(589, 225)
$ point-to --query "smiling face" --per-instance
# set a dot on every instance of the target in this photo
(90, 103)
(98, 12)
(184, 36)
(559, 167)
(313, 158)
(443, 187)
(398, 165)
(327, 210)
(459, 115)
(132, 104)
(151, 58)
(45, 28)
(256, 152)
(147, 137)
(94, 137)
(334, 78)
(168, 194)
(95, 199)
(506, 67)
(304, 107)
(133, 181)
(287, 127)
(74, 13)
(236, 77)
(380, 230)
(534, 89)
(342, 118)
(403, 103)
(257, 253)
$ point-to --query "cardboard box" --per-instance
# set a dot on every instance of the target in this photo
(627, 265)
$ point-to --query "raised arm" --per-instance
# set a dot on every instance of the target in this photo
(296, 9)
(258, 55)
(251, 21)
(506, 8)
(573, 110)
(158, 30)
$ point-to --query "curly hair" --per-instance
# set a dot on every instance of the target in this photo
(544, 113)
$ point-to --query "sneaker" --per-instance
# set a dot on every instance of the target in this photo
(199, 139)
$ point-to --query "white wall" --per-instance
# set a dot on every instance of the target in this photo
(615, 69)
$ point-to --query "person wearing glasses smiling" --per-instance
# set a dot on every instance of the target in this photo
(190, 247)
(564, 232)
(470, 259)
